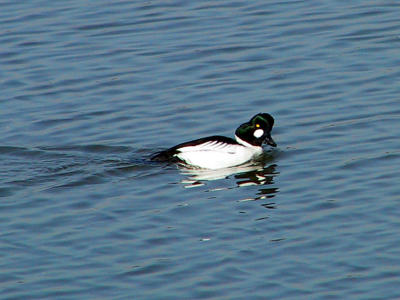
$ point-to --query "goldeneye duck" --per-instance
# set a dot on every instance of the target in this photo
(216, 152)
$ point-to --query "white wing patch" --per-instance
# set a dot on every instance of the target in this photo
(211, 146)
(215, 155)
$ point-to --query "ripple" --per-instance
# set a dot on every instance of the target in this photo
(90, 91)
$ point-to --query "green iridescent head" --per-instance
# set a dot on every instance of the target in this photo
(257, 130)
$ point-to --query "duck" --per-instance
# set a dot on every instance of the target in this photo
(218, 152)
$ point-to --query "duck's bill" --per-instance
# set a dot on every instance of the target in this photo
(270, 141)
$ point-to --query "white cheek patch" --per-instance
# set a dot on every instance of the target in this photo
(258, 133)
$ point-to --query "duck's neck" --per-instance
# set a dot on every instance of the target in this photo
(246, 144)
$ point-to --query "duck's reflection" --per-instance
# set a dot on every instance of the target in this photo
(254, 173)
(258, 176)
(264, 176)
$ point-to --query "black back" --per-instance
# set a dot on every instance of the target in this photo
(168, 155)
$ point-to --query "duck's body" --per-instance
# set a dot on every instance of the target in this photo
(216, 152)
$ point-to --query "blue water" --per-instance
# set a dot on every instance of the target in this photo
(90, 89)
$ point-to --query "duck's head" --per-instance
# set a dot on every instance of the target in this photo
(257, 130)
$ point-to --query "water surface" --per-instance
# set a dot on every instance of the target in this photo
(91, 89)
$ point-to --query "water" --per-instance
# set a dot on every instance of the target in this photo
(90, 89)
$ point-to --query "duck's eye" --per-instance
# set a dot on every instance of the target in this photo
(257, 125)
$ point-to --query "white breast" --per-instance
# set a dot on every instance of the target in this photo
(217, 155)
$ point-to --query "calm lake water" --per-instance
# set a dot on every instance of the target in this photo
(90, 89)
